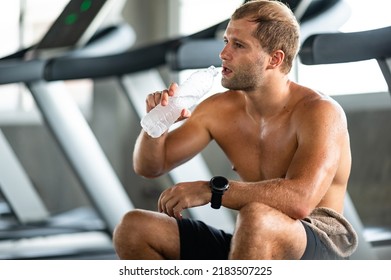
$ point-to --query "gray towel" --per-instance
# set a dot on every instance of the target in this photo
(334, 230)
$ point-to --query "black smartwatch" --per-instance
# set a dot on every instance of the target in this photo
(218, 185)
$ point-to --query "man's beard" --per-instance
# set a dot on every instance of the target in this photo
(245, 78)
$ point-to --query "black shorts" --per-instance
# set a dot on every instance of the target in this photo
(199, 241)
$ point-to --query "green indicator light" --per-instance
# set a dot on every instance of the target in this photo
(86, 5)
(71, 19)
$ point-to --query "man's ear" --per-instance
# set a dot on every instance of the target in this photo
(276, 59)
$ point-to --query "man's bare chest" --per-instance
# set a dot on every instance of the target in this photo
(263, 153)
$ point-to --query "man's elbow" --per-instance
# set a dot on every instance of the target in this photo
(300, 213)
(299, 210)
(149, 173)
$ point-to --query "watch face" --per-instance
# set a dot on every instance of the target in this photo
(219, 183)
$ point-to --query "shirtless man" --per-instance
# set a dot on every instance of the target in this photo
(288, 143)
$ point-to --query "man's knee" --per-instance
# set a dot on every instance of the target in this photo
(129, 219)
(256, 214)
(263, 232)
(143, 234)
(128, 227)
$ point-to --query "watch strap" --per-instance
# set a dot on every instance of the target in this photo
(216, 200)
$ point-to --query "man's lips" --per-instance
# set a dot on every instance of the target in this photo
(226, 71)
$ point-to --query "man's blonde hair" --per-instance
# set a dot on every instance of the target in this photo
(277, 27)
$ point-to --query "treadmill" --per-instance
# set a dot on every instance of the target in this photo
(27, 230)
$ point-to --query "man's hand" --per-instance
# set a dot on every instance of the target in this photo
(162, 97)
(183, 196)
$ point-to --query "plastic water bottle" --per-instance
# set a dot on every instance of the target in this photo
(160, 118)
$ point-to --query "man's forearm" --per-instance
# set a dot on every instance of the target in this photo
(149, 155)
(276, 193)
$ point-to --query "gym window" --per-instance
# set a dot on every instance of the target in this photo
(356, 77)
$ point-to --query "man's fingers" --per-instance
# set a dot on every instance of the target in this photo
(164, 97)
(185, 114)
(172, 89)
(170, 205)
(152, 100)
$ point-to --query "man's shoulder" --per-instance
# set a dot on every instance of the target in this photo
(315, 104)
(312, 99)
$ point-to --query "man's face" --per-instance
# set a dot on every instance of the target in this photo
(243, 58)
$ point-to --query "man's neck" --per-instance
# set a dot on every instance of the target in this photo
(271, 98)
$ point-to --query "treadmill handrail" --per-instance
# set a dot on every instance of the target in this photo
(70, 68)
(329, 48)
(134, 60)
(16, 69)
(195, 53)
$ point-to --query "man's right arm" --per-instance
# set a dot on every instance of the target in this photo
(152, 157)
